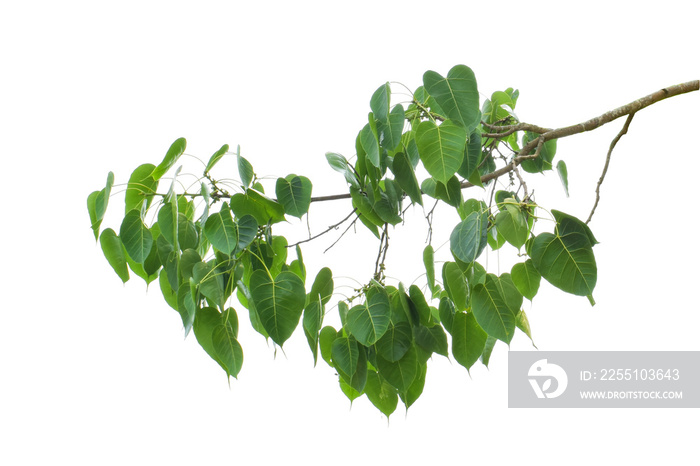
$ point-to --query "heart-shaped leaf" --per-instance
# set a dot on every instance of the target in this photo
(496, 303)
(457, 95)
(136, 237)
(468, 339)
(279, 302)
(294, 193)
(469, 238)
(174, 152)
(441, 148)
(221, 231)
(367, 322)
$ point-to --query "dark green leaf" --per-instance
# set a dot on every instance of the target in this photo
(416, 389)
(323, 285)
(313, 318)
(512, 224)
(279, 302)
(429, 262)
(228, 351)
(186, 308)
(264, 209)
(432, 339)
(368, 321)
(325, 339)
(566, 261)
(406, 177)
(493, 310)
(211, 283)
(395, 342)
(399, 374)
(544, 161)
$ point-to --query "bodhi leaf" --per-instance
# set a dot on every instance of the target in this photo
(406, 177)
(400, 374)
(493, 308)
(216, 157)
(279, 302)
(455, 284)
(526, 278)
(262, 208)
(114, 253)
(137, 239)
(566, 260)
(441, 148)
(294, 193)
(457, 95)
(140, 187)
(174, 152)
(469, 238)
(395, 342)
(563, 176)
(369, 321)
(468, 339)
(228, 351)
(381, 393)
(429, 262)
(511, 223)
(221, 231)
(245, 170)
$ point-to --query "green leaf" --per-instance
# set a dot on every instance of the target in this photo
(488, 349)
(137, 239)
(432, 339)
(344, 354)
(563, 176)
(429, 262)
(205, 321)
(420, 305)
(216, 157)
(568, 223)
(566, 261)
(341, 165)
(262, 208)
(186, 233)
(221, 231)
(325, 341)
(370, 144)
(379, 103)
(312, 321)
(493, 308)
(469, 238)
(468, 339)
(512, 224)
(228, 351)
(441, 148)
(455, 285)
(523, 324)
(544, 161)
(294, 193)
(323, 285)
(397, 339)
(186, 308)
(457, 95)
(390, 131)
(447, 313)
(114, 253)
(247, 229)
(369, 321)
(381, 393)
(245, 170)
(140, 187)
(472, 159)
(167, 221)
(416, 389)
(526, 278)
(400, 374)
(406, 177)
(279, 302)
(174, 152)
(211, 283)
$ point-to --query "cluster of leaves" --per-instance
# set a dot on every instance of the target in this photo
(390, 332)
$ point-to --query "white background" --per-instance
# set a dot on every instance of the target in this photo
(93, 372)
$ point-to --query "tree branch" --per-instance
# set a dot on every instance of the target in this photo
(622, 132)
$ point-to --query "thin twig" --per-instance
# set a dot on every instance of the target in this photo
(330, 228)
(622, 132)
(343, 234)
